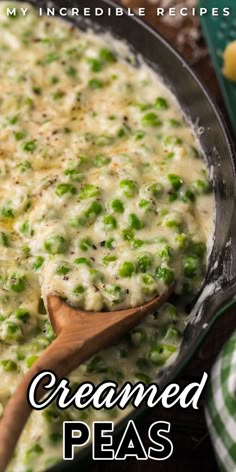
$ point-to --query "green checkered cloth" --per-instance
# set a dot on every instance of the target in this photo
(221, 407)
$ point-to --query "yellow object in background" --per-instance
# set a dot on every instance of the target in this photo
(229, 68)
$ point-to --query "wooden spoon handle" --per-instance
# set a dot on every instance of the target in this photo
(61, 358)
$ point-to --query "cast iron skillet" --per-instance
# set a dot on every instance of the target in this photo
(219, 286)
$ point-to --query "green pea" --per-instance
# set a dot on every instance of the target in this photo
(149, 284)
(198, 248)
(194, 152)
(7, 211)
(12, 120)
(28, 102)
(156, 189)
(34, 451)
(49, 333)
(58, 95)
(25, 251)
(127, 269)
(161, 103)
(109, 222)
(95, 275)
(108, 259)
(160, 353)
(29, 146)
(55, 438)
(172, 335)
(107, 55)
(151, 119)
(71, 71)
(139, 135)
(26, 229)
(96, 365)
(173, 221)
(165, 252)
(53, 415)
(63, 269)
(128, 187)
(175, 181)
(67, 130)
(38, 263)
(121, 133)
(172, 197)
(89, 191)
(169, 155)
(191, 265)
(101, 160)
(143, 106)
(73, 174)
(144, 263)
(104, 140)
(38, 345)
(116, 374)
(94, 210)
(165, 274)
(117, 206)
(174, 123)
(110, 243)
(136, 243)
(78, 221)
(54, 80)
(172, 141)
(31, 360)
(63, 188)
(144, 203)
(201, 186)
(167, 315)
(16, 282)
(115, 293)
(134, 222)
(95, 84)
(85, 244)
(182, 241)
(22, 314)
(55, 244)
(24, 166)
(83, 260)
(141, 377)
(96, 65)
(187, 196)
(79, 290)
(51, 57)
(8, 365)
(13, 332)
(5, 239)
(37, 90)
(165, 213)
(128, 234)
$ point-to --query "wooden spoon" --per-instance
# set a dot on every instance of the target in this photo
(80, 334)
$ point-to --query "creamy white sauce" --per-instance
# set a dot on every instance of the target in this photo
(104, 200)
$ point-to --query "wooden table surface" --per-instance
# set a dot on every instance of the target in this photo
(192, 447)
